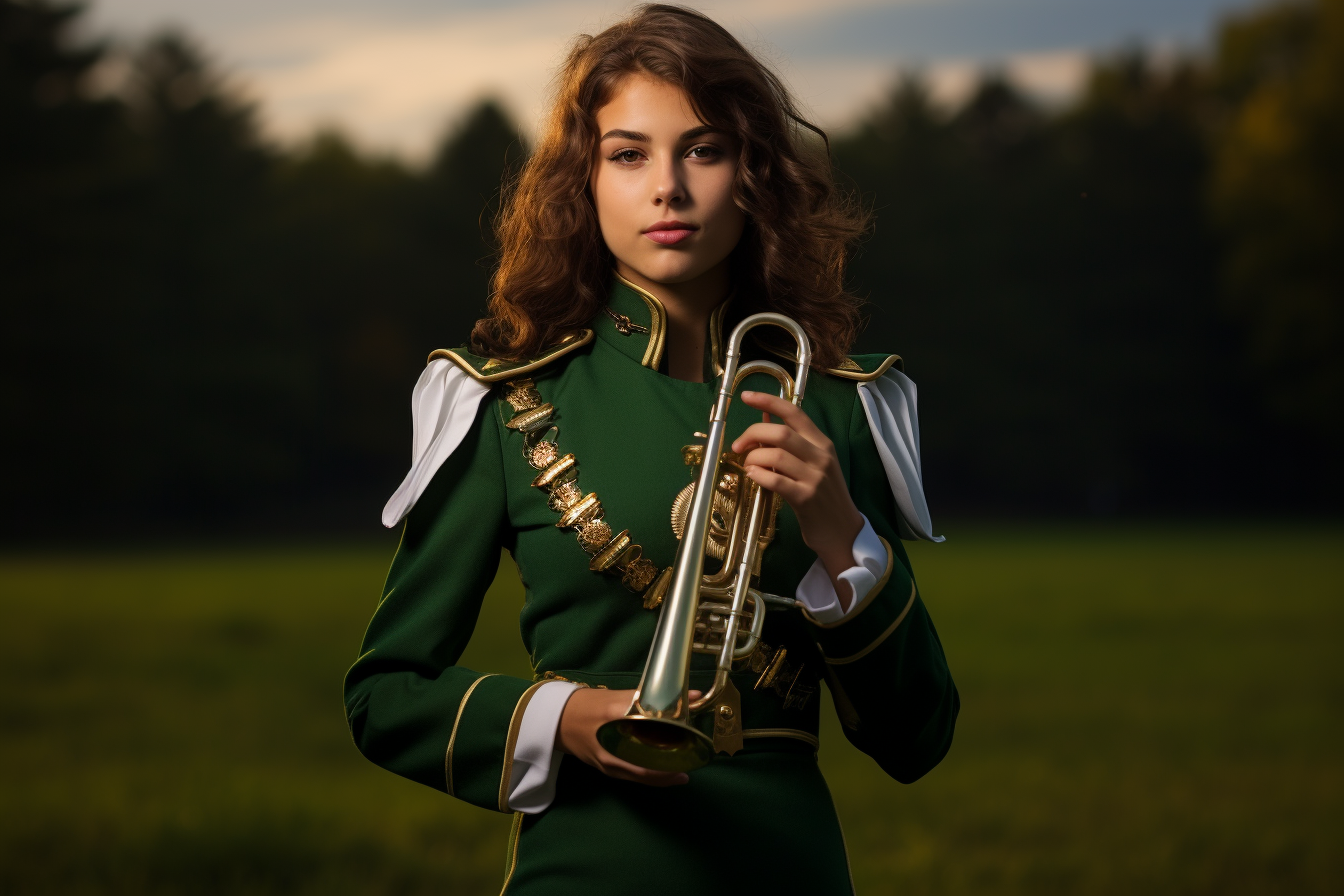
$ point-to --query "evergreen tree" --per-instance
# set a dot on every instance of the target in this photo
(1278, 197)
(60, 169)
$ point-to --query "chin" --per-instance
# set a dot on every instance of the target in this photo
(671, 268)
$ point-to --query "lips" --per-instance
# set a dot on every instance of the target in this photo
(669, 233)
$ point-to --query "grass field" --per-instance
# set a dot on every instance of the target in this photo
(1156, 712)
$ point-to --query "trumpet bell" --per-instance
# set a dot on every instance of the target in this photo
(664, 745)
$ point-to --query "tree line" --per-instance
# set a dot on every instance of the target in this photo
(1128, 304)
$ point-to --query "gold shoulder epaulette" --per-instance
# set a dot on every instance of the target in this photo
(865, 368)
(493, 370)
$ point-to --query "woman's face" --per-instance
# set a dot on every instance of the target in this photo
(663, 185)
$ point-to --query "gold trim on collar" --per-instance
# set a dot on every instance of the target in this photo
(653, 353)
(572, 342)
(659, 325)
(845, 373)
(848, 370)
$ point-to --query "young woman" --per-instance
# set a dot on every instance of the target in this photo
(670, 195)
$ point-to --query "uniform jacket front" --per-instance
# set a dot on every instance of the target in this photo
(413, 710)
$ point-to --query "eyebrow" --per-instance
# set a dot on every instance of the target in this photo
(692, 134)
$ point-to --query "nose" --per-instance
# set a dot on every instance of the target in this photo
(669, 185)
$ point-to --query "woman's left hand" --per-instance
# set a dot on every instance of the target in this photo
(797, 460)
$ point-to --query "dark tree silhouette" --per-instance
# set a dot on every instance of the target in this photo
(1116, 306)
(1278, 198)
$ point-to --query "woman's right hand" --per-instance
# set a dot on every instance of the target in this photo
(589, 709)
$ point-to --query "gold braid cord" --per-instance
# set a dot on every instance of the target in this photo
(558, 478)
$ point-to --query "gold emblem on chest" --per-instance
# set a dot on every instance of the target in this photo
(734, 490)
(618, 554)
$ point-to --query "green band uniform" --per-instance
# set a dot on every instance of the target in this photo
(414, 711)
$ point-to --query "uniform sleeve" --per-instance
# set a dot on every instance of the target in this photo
(883, 661)
(410, 707)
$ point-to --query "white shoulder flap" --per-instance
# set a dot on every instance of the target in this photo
(889, 403)
(443, 407)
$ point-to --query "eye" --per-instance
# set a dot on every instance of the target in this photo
(704, 152)
(625, 156)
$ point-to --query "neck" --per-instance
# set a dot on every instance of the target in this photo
(689, 305)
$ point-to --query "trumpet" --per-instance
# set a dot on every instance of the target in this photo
(720, 614)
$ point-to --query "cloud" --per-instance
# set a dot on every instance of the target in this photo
(1053, 75)
(396, 82)
(397, 85)
(395, 73)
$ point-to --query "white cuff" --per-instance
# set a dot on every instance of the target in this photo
(870, 565)
(536, 761)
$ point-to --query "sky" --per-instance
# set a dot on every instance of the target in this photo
(394, 74)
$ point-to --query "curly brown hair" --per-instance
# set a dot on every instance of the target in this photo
(555, 270)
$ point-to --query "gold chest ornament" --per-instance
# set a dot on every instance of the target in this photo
(558, 479)
(619, 555)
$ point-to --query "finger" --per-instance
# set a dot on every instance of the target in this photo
(782, 462)
(673, 781)
(779, 436)
(772, 433)
(790, 490)
(626, 771)
(787, 411)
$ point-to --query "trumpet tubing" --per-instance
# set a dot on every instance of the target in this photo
(728, 516)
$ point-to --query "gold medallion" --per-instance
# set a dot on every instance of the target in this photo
(638, 574)
(593, 534)
(716, 545)
(564, 495)
(522, 395)
(543, 455)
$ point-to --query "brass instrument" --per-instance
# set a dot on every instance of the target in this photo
(720, 613)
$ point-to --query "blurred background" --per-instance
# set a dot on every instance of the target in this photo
(1109, 244)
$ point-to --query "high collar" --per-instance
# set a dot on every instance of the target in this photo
(635, 324)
